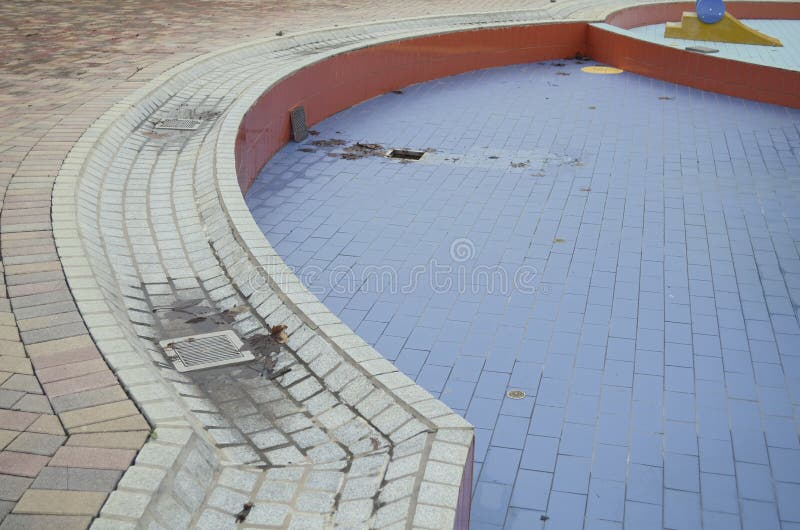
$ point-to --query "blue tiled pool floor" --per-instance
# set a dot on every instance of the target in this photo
(623, 250)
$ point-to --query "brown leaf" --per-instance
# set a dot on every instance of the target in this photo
(195, 320)
(279, 334)
(375, 443)
(262, 344)
(559, 240)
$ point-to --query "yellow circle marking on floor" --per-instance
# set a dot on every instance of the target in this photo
(601, 70)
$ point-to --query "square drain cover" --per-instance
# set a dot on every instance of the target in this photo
(208, 350)
(178, 124)
(299, 126)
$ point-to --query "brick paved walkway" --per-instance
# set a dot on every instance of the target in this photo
(67, 429)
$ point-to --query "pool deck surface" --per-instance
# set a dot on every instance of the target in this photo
(68, 430)
(786, 57)
(623, 250)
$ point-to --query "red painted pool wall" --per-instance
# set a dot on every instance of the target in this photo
(342, 81)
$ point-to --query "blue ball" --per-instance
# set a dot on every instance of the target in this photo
(710, 11)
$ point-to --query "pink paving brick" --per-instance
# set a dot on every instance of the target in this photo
(35, 288)
(23, 464)
(76, 369)
(41, 362)
(92, 458)
(80, 384)
(16, 421)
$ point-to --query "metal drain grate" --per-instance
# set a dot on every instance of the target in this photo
(208, 350)
(178, 124)
(299, 126)
(405, 154)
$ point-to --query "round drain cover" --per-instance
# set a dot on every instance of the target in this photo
(515, 394)
(601, 70)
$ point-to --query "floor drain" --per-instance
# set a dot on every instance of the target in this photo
(178, 124)
(196, 352)
(701, 49)
(405, 154)
(299, 127)
(515, 394)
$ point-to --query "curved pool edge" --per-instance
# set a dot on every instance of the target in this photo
(111, 336)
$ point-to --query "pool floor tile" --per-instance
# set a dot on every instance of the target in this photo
(629, 262)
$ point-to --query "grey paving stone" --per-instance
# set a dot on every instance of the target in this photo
(92, 479)
(9, 397)
(277, 491)
(53, 333)
(37, 522)
(12, 487)
(214, 520)
(5, 508)
(238, 479)
(142, 478)
(268, 514)
(23, 383)
(38, 444)
(126, 504)
(89, 398)
(227, 500)
(307, 521)
(267, 439)
(34, 403)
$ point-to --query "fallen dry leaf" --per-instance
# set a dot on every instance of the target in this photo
(279, 334)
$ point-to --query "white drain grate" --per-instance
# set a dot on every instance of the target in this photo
(178, 124)
(208, 350)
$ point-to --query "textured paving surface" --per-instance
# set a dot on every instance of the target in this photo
(64, 65)
(788, 31)
(658, 339)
